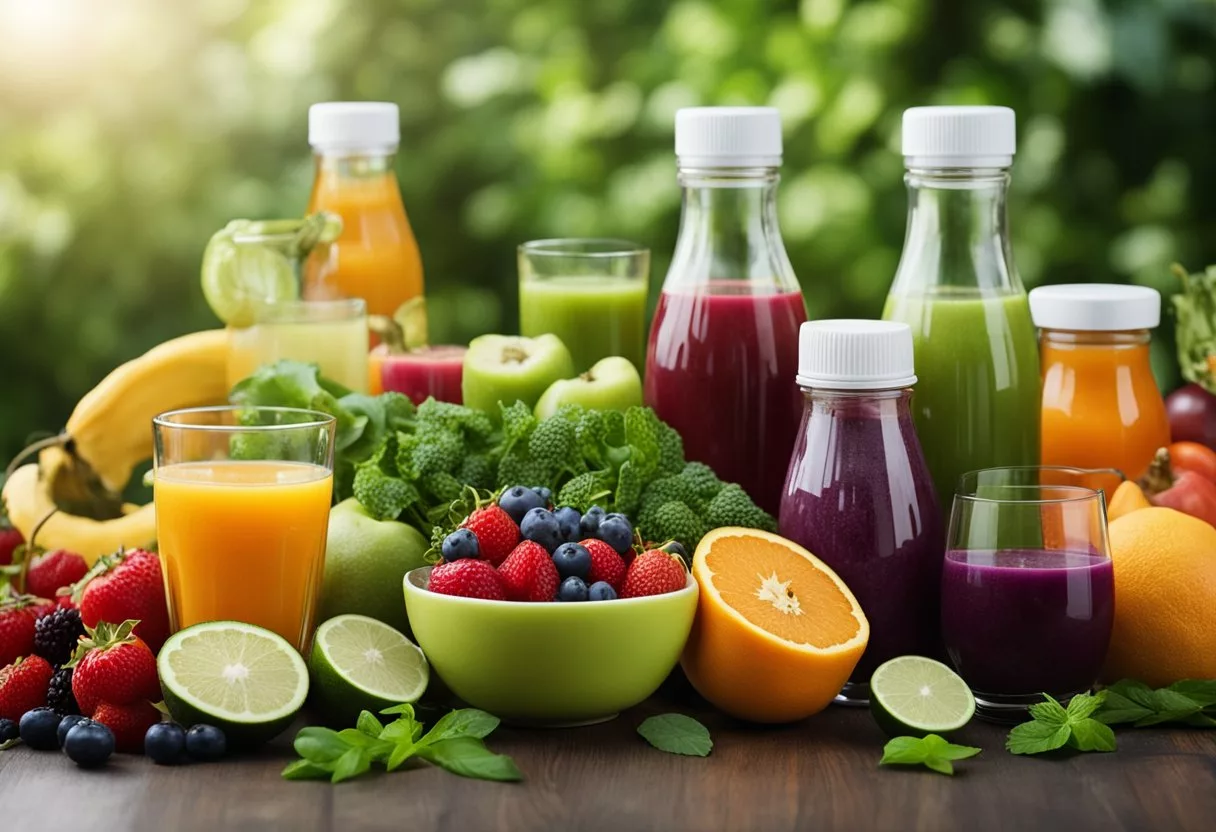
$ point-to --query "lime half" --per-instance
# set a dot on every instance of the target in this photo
(243, 679)
(243, 268)
(359, 663)
(914, 696)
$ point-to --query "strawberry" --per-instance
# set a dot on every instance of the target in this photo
(606, 564)
(17, 617)
(113, 665)
(128, 723)
(126, 586)
(654, 572)
(496, 532)
(467, 578)
(528, 573)
(23, 686)
(51, 572)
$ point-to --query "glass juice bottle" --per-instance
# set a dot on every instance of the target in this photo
(1101, 404)
(376, 257)
(723, 348)
(977, 401)
(858, 493)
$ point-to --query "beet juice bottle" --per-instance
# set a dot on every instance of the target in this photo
(724, 342)
(859, 494)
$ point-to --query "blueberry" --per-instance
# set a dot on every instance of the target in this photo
(8, 730)
(89, 744)
(519, 500)
(572, 589)
(541, 526)
(601, 591)
(165, 743)
(568, 521)
(676, 548)
(545, 494)
(617, 533)
(67, 724)
(572, 560)
(461, 543)
(39, 729)
(589, 523)
(206, 743)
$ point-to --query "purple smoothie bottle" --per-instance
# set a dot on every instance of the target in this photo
(858, 493)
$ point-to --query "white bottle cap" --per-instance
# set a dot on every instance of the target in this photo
(959, 137)
(354, 125)
(855, 355)
(728, 137)
(1095, 307)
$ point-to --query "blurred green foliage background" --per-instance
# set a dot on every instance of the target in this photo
(130, 130)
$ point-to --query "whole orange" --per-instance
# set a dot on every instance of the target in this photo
(1165, 598)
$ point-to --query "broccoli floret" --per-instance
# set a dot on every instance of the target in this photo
(442, 486)
(554, 448)
(437, 450)
(641, 434)
(586, 490)
(702, 480)
(590, 433)
(658, 493)
(455, 418)
(675, 520)
(384, 496)
(517, 423)
(399, 411)
(732, 507)
(671, 448)
(517, 468)
(628, 488)
(477, 470)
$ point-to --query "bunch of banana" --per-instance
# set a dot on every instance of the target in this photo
(70, 494)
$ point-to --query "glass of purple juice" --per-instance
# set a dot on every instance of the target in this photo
(1028, 592)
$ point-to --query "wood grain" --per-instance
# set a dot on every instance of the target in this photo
(819, 774)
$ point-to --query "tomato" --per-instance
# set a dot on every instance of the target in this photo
(1191, 456)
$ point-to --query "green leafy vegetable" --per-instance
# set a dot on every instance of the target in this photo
(677, 734)
(1053, 726)
(931, 751)
(454, 743)
(1188, 702)
(1195, 330)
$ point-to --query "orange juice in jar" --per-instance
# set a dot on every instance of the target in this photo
(376, 257)
(1101, 405)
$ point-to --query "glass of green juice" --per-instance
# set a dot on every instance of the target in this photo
(590, 293)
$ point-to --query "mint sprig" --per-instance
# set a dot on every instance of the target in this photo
(1053, 726)
(677, 734)
(454, 744)
(1189, 702)
(932, 752)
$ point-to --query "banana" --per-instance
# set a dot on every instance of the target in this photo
(111, 428)
(27, 497)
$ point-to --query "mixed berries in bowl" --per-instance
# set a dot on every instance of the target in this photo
(543, 614)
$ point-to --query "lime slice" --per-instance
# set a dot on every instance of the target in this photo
(239, 272)
(914, 696)
(243, 679)
(359, 663)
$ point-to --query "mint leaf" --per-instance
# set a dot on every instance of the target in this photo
(1037, 736)
(319, 745)
(369, 725)
(677, 734)
(1200, 721)
(305, 770)
(354, 762)
(404, 709)
(1171, 707)
(1129, 701)
(1050, 712)
(1118, 709)
(1083, 705)
(931, 751)
(469, 757)
(1092, 735)
(401, 752)
(465, 722)
(1202, 691)
(1134, 690)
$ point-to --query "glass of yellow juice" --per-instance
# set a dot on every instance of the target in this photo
(329, 333)
(242, 510)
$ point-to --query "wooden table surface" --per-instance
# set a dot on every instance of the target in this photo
(819, 774)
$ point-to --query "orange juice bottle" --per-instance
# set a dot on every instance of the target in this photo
(376, 257)
(1101, 405)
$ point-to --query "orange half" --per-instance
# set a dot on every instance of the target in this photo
(777, 632)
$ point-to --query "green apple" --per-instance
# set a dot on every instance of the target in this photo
(611, 384)
(365, 562)
(508, 368)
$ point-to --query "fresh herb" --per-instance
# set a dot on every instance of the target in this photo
(454, 743)
(1053, 726)
(930, 751)
(1189, 702)
(677, 734)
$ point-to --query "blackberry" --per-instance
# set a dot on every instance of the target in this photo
(59, 693)
(55, 635)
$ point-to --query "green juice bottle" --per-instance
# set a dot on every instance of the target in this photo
(977, 399)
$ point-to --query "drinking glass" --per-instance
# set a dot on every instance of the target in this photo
(1105, 480)
(590, 293)
(329, 333)
(1027, 591)
(242, 500)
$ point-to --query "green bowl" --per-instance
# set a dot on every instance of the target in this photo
(550, 664)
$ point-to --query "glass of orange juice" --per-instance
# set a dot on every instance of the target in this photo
(242, 510)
